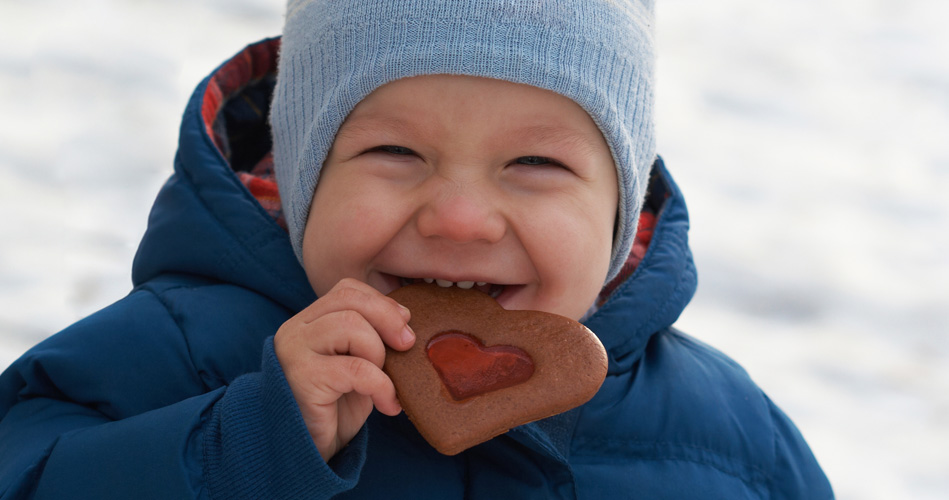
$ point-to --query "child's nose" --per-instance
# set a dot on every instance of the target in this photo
(462, 215)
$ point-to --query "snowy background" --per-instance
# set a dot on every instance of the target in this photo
(810, 139)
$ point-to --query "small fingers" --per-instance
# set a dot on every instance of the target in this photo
(386, 316)
(363, 377)
(349, 333)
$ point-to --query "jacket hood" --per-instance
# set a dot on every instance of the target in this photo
(653, 296)
(206, 223)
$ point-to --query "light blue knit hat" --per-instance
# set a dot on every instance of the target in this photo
(599, 53)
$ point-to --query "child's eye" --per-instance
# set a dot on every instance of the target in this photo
(540, 161)
(535, 160)
(393, 150)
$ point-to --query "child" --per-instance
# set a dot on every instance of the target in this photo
(499, 144)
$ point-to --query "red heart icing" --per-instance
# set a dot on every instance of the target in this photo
(468, 368)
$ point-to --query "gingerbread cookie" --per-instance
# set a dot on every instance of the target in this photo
(477, 370)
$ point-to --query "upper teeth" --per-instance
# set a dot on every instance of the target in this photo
(459, 284)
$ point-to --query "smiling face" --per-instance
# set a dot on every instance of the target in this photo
(505, 187)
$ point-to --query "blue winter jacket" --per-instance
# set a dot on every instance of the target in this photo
(175, 392)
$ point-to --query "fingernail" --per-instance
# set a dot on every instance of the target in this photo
(407, 336)
(406, 314)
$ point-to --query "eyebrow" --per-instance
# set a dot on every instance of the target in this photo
(546, 134)
(371, 124)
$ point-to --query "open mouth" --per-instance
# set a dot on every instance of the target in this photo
(494, 290)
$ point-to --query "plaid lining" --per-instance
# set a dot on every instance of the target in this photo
(250, 66)
(263, 186)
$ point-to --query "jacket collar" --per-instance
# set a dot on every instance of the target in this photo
(663, 283)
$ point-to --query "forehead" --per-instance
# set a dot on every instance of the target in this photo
(425, 104)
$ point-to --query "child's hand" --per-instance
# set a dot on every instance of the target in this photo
(332, 354)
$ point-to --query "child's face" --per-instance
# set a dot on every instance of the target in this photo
(467, 179)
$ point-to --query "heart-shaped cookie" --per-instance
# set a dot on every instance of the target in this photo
(477, 370)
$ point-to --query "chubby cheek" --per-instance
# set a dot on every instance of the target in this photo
(572, 261)
(345, 231)
(582, 279)
(321, 251)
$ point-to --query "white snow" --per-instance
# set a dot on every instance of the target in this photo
(809, 138)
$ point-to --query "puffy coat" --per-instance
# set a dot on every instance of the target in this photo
(175, 391)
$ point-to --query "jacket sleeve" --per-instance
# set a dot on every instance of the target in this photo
(114, 407)
(796, 474)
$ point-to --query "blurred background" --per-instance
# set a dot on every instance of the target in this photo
(809, 137)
